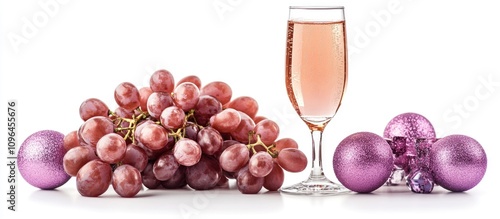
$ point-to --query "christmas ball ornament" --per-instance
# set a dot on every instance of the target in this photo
(40, 160)
(410, 125)
(363, 162)
(403, 132)
(458, 162)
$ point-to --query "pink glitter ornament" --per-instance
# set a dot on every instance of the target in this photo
(403, 132)
(411, 125)
(458, 162)
(363, 161)
(40, 160)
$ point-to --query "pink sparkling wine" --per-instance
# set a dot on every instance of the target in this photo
(316, 69)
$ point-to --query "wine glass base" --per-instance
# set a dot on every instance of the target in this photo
(316, 187)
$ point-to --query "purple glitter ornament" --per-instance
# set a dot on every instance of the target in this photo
(420, 181)
(402, 133)
(40, 160)
(363, 162)
(411, 125)
(458, 162)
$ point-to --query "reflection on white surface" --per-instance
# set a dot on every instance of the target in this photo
(185, 203)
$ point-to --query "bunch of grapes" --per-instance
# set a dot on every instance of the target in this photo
(172, 135)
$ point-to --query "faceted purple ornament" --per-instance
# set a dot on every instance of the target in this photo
(420, 181)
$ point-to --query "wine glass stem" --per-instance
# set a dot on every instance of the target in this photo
(317, 165)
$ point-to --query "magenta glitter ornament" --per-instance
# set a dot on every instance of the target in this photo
(458, 162)
(363, 162)
(40, 160)
(410, 125)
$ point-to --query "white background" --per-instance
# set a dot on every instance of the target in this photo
(428, 57)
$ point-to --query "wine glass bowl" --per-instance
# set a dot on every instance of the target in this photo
(316, 78)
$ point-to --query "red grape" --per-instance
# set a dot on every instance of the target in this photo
(94, 178)
(162, 81)
(111, 148)
(71, 140)
(172, 117)
(234, 157)
(218, 89)
(187, 152)
(205, 174)
(245, 104)
(274, 180)
(186, 96)
(126, 181)
(136, 156)
(260, 164)
(93, 107)
(248, 183)
(165, 167)
(285, 143)
(292, 160)
(206, 107)
(209, 140)
(226, 121)
(76, 157)
(127, 96)
(153, 136)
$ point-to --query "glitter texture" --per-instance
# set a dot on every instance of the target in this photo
(363, 162)
(410, 125)
(40, 160)
(458, 162)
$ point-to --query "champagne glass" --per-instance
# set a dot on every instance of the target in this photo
(316, 77)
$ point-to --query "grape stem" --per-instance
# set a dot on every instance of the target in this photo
(251, 146)
(190, 115)
(178, 134)
(132, 124)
